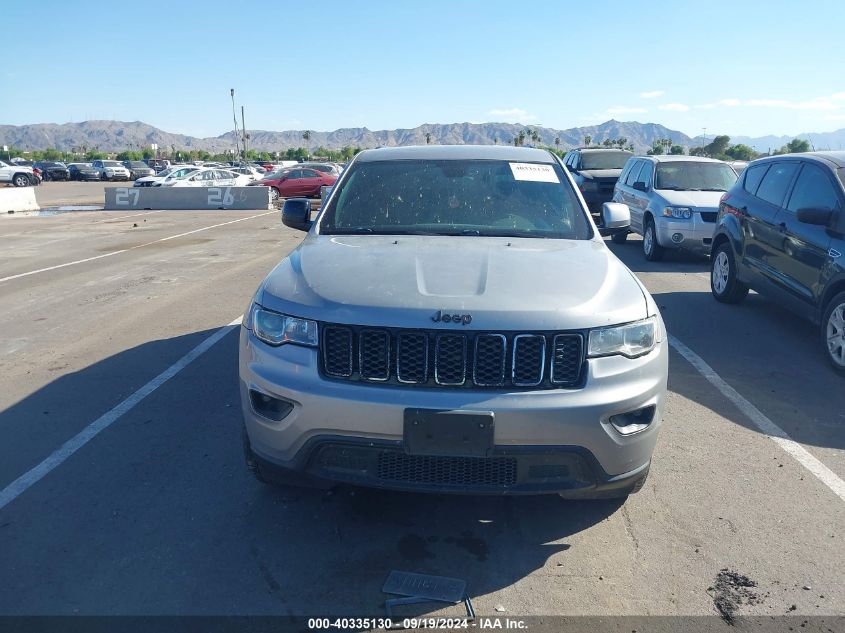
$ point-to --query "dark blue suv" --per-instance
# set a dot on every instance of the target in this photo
(781, 231)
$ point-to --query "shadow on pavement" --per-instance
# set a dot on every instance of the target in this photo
(158, 514)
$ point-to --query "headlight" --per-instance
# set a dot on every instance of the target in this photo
(681, 213)
(589, 185)
(631, 339)
(277, 329)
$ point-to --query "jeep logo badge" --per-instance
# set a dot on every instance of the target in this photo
(463, 319)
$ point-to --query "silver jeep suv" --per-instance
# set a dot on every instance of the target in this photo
(453, 322)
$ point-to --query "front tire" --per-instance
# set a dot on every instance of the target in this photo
(21, 180)
(724, 284)
(620, 237)
(651, 249)
(103, 177)
(275, 194)
(833, 332)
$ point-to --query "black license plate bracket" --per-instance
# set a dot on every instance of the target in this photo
(448, 433)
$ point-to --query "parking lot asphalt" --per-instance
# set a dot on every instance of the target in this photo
(157, 514)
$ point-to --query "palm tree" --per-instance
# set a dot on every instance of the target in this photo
(428, 138)
(495, 140)
(306, 135)
(621, 142)
(557, 141)
(535, 136)
(588, 140)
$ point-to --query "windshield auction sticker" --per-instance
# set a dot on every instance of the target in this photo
(533, 172)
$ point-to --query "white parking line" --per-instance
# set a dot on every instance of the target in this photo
(131, 248)
(37, 473)
(123, 217)
(769, 428)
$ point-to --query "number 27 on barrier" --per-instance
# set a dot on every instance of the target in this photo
(123, 195)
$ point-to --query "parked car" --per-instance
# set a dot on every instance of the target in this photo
(51, 170)
(18, 175)
(328, 168)
(595, 172)
(83, 171)
(250, 172)
(169, 174)
(673, 201)
(738, 166)
(296, 181)
(504, 349)
(158, 164)
(111, 170)
(210, 178)
(781, 231)
(138, 169)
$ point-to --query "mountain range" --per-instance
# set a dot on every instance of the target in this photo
(111, 136)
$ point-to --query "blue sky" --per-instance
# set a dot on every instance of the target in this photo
(751, 68)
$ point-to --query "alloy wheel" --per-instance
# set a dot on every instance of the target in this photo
(835, 332)
(721, 271)
(648, 240)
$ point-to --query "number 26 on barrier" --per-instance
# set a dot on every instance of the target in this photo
(220, 197)
(123, 195)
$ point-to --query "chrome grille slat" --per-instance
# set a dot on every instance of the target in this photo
(529, 360)
(411, 358)
(374, 355)
(489, 359)
(452, 359)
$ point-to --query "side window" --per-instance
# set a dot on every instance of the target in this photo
(632, 175)
(813, 189)
(645, 173)
(775, 183)
(753, 176)
(567, 159)
(310, 173)
(576, 160)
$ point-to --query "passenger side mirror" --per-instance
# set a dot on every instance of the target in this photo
(297, 213)
(616, 215)
(640, 186)
(814, 215)
(571, 168)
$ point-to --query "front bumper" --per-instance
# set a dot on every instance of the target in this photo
(696, 234)
(545, 441)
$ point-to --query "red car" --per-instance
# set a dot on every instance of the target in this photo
(296, 182)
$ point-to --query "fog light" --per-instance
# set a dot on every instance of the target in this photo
(274, 409)
(677, 237)
(633, 421)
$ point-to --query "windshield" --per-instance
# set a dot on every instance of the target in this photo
(111, 163)
(604, 160)
(694, 176)
(137, 164)
(456, 197)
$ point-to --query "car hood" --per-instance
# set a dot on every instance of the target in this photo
(701, 199)
(504, 283)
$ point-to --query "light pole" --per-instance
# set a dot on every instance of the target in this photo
(234, 118)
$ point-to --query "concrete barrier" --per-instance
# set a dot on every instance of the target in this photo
(18, 199)
(154, 198)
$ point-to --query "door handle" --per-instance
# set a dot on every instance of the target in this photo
(782, 227)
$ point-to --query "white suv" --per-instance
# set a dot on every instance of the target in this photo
(111, 170)
(16, 174)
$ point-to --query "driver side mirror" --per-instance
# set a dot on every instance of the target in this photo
(297, 213)
(640, 186)
(814, 215)
(616, 215)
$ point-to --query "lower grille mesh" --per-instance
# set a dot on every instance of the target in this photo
(458, 471)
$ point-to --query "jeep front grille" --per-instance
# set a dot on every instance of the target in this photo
(434, 358)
